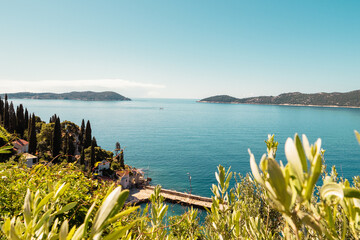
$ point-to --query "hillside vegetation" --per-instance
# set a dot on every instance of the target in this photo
(348, 99)
(84, 96)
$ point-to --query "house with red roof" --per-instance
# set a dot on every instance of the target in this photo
(21, 146)
(124, 178)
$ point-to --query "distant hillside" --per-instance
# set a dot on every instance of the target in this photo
(83, 96)
(348, 99)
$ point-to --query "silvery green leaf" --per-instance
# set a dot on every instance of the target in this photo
(87, 218)
(105, 209)
(71, 233)
(79, 233)
(255, 169)
(294, 159)
(217, 177)
(122, 213)
(351, 192)
(66, 208)
(331, 189)
(44, 201)
(60, 191)
(44, 218)
(277, 179)
(119, 232)
(307, 147)
(313, 178)
(64, 230)
(27, 208)
(300, 150)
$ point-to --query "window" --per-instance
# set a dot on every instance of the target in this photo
(34, 160)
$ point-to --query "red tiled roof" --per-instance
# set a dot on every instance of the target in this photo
(20, 142)
(122, 173)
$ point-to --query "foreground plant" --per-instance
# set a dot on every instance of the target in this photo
(290, 190)
(41, 218)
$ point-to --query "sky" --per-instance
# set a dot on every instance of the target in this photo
(180, 49)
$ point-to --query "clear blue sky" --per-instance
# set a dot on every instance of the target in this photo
(180, 49)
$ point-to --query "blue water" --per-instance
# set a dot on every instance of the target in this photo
(188, 138)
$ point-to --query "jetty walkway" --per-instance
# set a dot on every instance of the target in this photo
(138, 196)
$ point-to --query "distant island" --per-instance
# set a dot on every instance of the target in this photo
(82, 96)
(335, 99)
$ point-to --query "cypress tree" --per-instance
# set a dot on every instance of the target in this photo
(82, 132)
(53, 118)
(26, 119)
(6, 114)
(12, 118)
(117, 148)
(20, 121)
(122, 163)
(32, 136)
(87, 140)
(56, 140)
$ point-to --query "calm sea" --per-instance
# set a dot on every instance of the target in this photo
(174, 139)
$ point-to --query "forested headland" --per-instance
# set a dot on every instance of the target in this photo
(335, 99)
(83, 96)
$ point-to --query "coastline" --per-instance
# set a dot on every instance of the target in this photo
(283, 104)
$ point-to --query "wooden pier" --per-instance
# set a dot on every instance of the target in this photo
(138, 196)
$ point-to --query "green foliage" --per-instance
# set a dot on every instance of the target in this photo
(186, 226)
(234, 214)
(290, 190)
(44, 138)
(99, 154)
(40, 218)
(15, 180)
(5, 146)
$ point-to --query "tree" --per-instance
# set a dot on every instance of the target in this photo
(32, 135)
(53, 118)
(122, 163)
(82, 132)
(68, 147)
(12, 118)
(26, 119)
(87, 141)
(20, 120)
(117, 148)
(56, 141)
